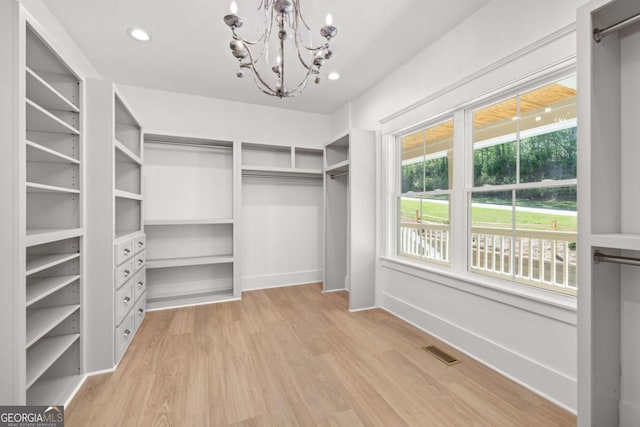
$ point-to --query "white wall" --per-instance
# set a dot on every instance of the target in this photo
(161, 111)
(282, 240)
(530, 341)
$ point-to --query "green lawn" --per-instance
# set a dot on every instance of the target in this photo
(490, 217)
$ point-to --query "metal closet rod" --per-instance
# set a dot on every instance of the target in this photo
(187, 144)
(599, 257)
(336, 175)
(600, 33)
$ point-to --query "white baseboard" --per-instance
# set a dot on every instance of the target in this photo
(542, 380)
(336, 290)
(268, 281)
(363, 309)
(75, 391)
(629, 414)
(102, 372)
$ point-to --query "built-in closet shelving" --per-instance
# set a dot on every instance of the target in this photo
(191, 188)
(350, 217)
(276, 160)
(609, 200)
(53, 192)
(116, 239)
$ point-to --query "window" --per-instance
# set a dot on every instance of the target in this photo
(426, 183)
(519, 194)
(524, 227)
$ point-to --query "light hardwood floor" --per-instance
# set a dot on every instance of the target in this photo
(296, 357)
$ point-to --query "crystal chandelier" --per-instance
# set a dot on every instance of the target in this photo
(284, 18)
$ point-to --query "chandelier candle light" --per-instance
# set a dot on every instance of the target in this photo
(287, 18)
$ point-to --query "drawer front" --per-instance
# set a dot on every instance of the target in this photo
(124, 335)
(139, 242)
(139, 260)
(139, 284)
(140, 311)
(124, 273)
(124, 251)
(124, 301)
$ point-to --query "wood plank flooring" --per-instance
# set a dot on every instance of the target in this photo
(296, 357)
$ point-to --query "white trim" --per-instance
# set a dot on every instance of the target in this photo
(555, 306)
(175, 307)
(75, 391)
(571, 28)
(281, 286)
(542, 380)
(330, 291)
(357, 310)
(269, 281)
(103, 371)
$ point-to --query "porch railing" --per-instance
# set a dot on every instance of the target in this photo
(545, 259)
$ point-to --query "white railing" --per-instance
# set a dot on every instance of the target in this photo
(545, 259)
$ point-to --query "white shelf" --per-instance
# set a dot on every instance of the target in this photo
(130, 155)
(338, 167)
(53, 391)
(204, 221)
(127, 195)
(42, 262)
(45, 286)
(42, 355)
(39, 153)
(629, 242)
(271, 171)
(33, 187)
(188, 261)
(126, 235)
(181, 300)
(46, 95)
(42, 320)
(40, 120)
(41, 236)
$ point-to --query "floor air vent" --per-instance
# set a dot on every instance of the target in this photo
(445, 358)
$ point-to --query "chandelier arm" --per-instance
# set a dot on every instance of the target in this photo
(303, 83)
(298, 9)
(256, 75)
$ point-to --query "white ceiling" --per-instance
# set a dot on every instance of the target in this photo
(189, 51)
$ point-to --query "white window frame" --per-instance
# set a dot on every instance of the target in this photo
(460, 195)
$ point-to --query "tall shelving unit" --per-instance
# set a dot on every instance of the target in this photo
(609, 292)
(350, 217)
(52, 224)
(115, 233)
(192, 193)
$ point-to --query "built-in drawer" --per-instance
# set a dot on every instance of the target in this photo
(124, 273)
(140, 311)
(124, 300)
(139, 260)
(139, 284)
(124, 251)
(124, 335)
(139, 242)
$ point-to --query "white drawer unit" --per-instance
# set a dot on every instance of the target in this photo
(139, 260)
(124, 250)
(123, 273)
(139, 284)
(124, 334)
(124, 300)
(140, 242)
(140, 311)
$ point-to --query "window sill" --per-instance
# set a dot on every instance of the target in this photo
(539, 301)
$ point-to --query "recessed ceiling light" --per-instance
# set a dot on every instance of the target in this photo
(139, 34)
(333, 76)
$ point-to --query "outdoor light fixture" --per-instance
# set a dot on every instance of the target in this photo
(284, 18)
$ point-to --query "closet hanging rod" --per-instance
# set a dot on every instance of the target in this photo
(336, 175)
(599, 257)
(279, 176)
(600, 33)
(187, 144)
